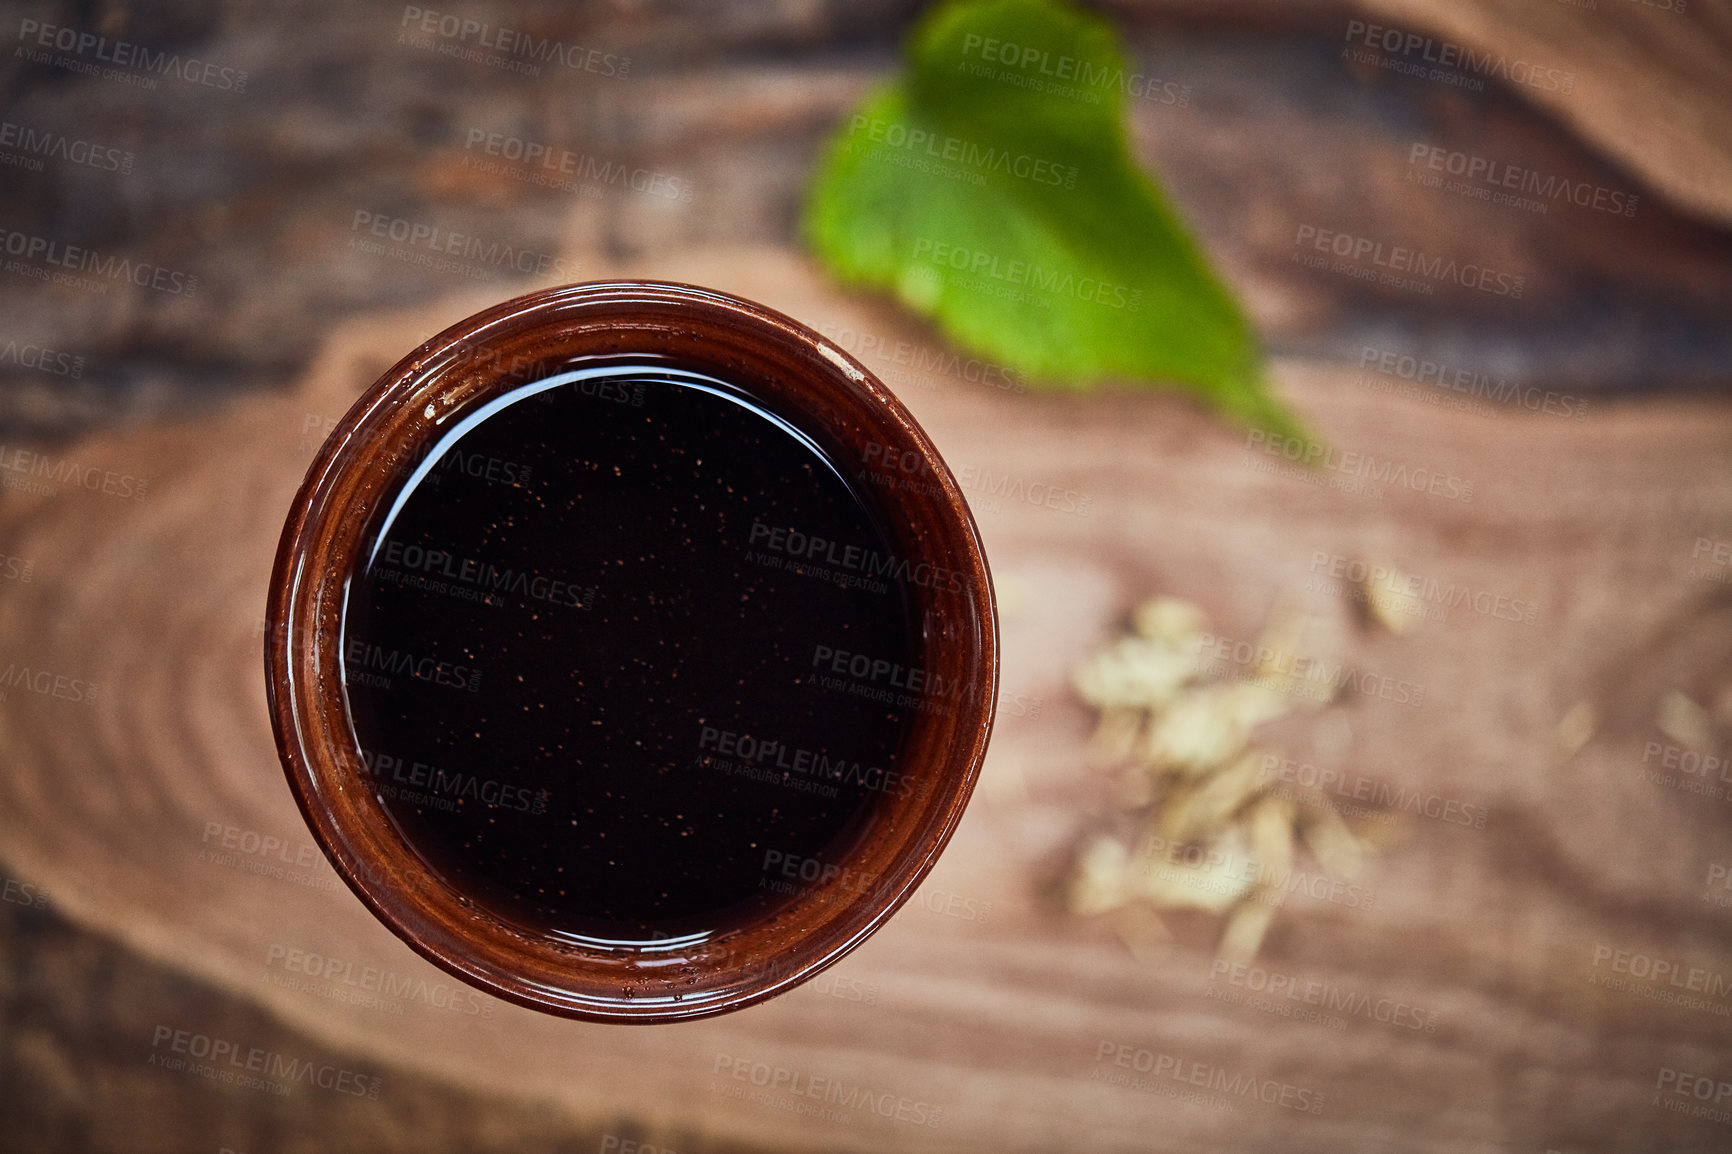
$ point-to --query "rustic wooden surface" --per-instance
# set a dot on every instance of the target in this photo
(104, 808)
(737, 97)
(1651, 81)
(157, 602)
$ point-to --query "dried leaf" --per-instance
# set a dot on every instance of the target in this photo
(1204, 807)
(1278, 666)
(1283, 635)
(1099, 882)
(1134, 673)
(1685, 722)
(1243, 936)
(1576, 729)
(1210, 726)
(1212, 888)
(1188, 769)
(1387, 600)
(1334, 846)
(1115, 735)
(1270, 833)
(1170, 620)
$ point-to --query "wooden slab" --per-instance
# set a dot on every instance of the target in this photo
(147, 810)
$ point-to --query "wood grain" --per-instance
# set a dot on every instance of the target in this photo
(1650, 82)
(987, 999)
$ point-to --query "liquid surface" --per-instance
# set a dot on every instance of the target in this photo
(591, 657)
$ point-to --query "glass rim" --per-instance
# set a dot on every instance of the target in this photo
(405, 410)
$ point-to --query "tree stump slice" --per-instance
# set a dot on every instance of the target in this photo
(119, 807)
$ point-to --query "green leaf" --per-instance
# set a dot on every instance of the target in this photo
(991, 189)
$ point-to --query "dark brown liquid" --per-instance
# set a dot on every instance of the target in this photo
(591, 661)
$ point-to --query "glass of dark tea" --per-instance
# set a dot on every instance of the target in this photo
(631, 651)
